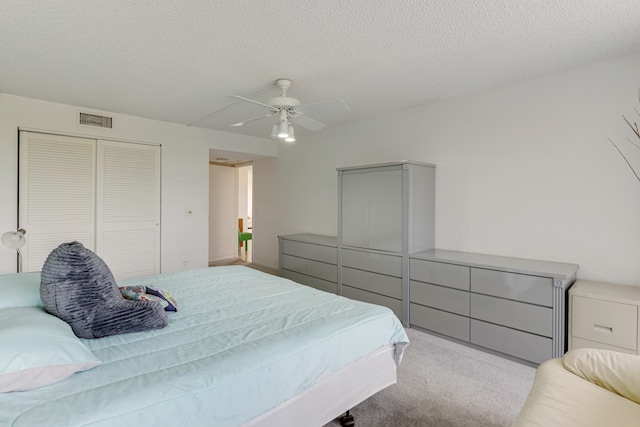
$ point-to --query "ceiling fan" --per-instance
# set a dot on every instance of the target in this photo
(290, 110)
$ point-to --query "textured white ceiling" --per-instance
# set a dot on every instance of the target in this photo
(176, 60)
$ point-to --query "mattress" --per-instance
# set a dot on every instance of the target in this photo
(242, 343)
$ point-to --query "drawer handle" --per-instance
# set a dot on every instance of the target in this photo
(601, 328)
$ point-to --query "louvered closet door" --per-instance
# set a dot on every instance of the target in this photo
(56, 193)
(128, 208)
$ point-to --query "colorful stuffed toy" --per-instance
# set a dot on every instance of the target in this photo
(147, 293)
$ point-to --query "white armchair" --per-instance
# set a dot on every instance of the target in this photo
(587, 387)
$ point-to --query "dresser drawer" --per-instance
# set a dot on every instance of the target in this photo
(521, 287)
(440, 297)
(292, 275)
(606, 322)
(323, 285)
(314, 282)
(439, 321)
(322, 270)
(292, 247)
(373, 282)
(520, 344)
(450, 275)
(294, 263)
(360, 295)
(517, 315)
(378, 263)
(321, 253)
(576, 342)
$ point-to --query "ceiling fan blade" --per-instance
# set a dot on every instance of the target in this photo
(270, 107)
(309, 123)
(244, 122)
(323, 107)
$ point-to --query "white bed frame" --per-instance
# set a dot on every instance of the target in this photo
(336, 394)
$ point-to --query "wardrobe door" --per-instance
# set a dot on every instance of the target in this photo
(385, 210)
(355, 210)
(56, 193)
(128, 208)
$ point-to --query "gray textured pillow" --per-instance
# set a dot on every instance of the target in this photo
(78, 287)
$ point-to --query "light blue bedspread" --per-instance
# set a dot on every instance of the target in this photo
(241, 343)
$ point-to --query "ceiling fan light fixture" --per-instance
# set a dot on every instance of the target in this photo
(274, 131)
(284, 130)
(291, 137)
(283, 133)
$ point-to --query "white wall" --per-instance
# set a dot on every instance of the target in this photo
(223, 218)
(267, 212)
(185, 170)
(524, 170)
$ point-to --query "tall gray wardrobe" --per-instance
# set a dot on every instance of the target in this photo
(386, 212)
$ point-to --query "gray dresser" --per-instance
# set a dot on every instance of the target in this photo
(510, 305)
(385, 212)
(310, 259)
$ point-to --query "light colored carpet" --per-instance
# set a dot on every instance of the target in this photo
(442, 384)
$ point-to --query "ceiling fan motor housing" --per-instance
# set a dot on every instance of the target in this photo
(283, 101)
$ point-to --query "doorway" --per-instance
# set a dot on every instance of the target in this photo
(230, 213)
(245, 211)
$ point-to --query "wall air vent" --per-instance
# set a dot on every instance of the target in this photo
(87, 119)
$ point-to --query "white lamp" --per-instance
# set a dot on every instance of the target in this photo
(284, 125)
(15, 240)
(291, 137)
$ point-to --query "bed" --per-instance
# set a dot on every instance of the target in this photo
(244, 349)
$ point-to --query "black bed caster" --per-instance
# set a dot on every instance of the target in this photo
(347, 420)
